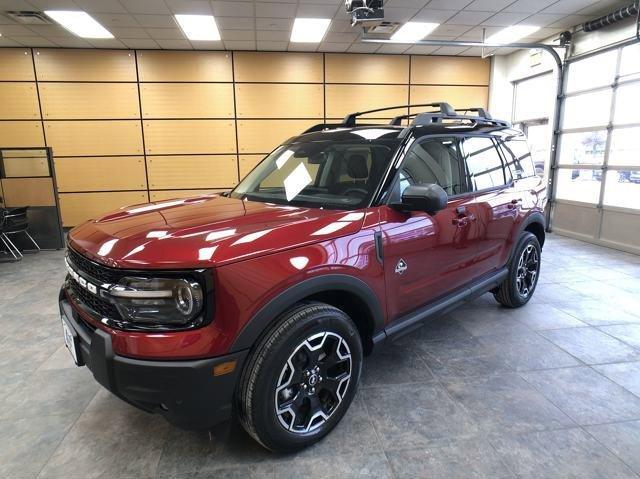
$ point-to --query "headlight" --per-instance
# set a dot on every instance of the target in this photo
(157, 300)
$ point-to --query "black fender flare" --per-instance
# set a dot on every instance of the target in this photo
(533, 217)
(329, 282)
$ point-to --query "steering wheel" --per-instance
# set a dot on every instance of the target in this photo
(362, 192)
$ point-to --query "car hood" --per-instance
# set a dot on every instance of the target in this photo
(205, 231)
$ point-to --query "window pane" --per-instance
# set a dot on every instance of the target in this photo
(627, 103)
(484, 165)
(586, 148)
(625, 147)
(535, 98)
(622, 188)
(579, 185)
(519, 158)
(589, 109)
(432, 162)
(630, 62)
(595, 71)
(539, 137)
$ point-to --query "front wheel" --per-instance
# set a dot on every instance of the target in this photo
(301, 378)
(516, 290)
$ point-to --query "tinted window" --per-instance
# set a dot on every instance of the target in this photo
(484, 165)
(519, 158)
(327, 174)
(434, 161)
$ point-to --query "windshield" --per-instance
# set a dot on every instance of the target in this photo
(321, 174)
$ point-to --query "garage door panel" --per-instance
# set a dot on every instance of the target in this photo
(89, 100)
(97, 173)
(280, 101)
(197, 171)
(77, 208)
(621, 228)
(94, 138)
(176, 66)
(189, 136)
(187, 100)
(85, 65)
(577, 219)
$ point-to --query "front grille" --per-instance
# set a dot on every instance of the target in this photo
(95, 304)
(97, 271)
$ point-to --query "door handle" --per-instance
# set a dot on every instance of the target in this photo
(514, 203)
(460, 222)
(463, 220)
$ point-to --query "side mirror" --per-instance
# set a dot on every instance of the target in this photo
(430, 198)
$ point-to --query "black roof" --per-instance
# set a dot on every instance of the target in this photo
(392, 132)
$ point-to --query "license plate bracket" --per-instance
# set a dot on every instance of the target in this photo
(71, 341)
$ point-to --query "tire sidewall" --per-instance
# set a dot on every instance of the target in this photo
(265, 418)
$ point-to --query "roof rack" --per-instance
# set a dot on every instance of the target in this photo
(444, 112)
(444, 109)
(428, 118)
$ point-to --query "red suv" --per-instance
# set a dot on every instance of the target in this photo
(261, 302)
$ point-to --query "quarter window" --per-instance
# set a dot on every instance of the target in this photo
(485, 168)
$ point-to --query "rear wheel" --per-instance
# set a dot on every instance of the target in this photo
(301, 378)
(516, 290)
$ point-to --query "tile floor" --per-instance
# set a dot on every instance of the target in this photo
(549, 390)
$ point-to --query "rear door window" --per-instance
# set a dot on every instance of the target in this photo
(485, 168)
(519, 158)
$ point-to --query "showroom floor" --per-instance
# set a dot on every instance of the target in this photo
(550, 390)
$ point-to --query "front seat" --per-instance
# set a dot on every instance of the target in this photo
(357, 168)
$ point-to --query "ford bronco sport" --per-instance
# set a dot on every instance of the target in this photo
(260, 303)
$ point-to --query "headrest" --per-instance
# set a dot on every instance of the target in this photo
(357, 167)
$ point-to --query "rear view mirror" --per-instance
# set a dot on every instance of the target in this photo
(430, 198)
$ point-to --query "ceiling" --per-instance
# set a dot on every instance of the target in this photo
(266, 25)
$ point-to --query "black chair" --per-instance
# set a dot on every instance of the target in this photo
(14, 221)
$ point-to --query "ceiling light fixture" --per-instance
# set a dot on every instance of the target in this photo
(511, 34)
(79, 23)
(412, 32)
(309, 30)
(199, 27)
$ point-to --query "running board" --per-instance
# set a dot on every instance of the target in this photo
(411, 321)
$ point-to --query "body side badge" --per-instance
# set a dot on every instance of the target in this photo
(401, 267)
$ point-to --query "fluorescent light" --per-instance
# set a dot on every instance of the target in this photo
(309, 30)
(79, 23)
(199, 27)
(412, 32)
(511, 34)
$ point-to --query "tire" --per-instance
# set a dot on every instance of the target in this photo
(310, 358)
(518, 288)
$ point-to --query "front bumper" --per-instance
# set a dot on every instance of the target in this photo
(186, 392)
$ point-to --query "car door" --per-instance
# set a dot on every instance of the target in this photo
(495, 204)
(427, 256)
